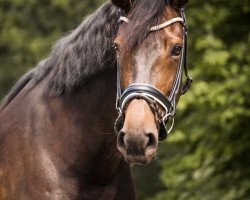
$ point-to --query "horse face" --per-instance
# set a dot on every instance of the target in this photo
(154, 60)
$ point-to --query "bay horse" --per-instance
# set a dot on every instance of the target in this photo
(56, 125)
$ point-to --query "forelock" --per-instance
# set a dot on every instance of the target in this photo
(144, 14)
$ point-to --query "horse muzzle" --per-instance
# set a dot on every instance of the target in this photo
(137, 138)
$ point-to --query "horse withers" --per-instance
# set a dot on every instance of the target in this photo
(56, 124)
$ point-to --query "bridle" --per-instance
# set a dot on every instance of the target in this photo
(153, 96)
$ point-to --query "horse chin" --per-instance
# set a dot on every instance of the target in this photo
(139, 159)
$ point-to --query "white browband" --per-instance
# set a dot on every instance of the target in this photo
(160, 26)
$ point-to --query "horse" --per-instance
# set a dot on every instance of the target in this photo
(57, 135)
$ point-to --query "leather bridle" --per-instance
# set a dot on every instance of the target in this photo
(153, 96)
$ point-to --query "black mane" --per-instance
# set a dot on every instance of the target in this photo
(75, 58)
(85, 52)
(144, 15)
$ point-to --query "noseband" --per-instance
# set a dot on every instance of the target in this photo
(154, 97)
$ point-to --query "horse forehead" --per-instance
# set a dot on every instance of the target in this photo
(149, 51)
(145, 58)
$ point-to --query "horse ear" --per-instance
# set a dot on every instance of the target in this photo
(123, 4)
(178, 3)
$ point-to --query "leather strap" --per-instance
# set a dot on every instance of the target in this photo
(144, 89)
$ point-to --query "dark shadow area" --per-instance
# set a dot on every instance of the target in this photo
(147, 181)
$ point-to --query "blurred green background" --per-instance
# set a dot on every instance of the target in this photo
(207, 157)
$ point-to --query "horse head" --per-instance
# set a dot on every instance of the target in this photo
(151, 52)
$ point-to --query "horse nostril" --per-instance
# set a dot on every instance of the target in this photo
(120, 139)
(151, 140)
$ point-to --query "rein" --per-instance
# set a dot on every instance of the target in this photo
(151, 94)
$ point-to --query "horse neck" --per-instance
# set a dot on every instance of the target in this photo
(71, 134)
(87, 115)
(77, 126)
(87, 119)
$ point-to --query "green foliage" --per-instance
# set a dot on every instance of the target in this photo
(207, 156)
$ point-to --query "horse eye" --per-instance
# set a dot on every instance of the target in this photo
(176, 50)
(115, 47)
